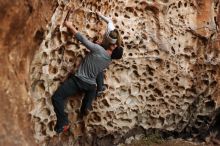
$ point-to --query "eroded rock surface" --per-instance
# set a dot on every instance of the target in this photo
(21, 24)
(168, 77)
(167, 80)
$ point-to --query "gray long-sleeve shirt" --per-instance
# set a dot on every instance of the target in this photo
(96, 61)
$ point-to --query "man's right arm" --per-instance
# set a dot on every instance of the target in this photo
(87, 43)
(70, 26)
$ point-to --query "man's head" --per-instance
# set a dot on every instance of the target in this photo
(115, 44)
(115, 37)
(117, 53)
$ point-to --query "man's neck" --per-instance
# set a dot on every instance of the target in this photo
(109, 52)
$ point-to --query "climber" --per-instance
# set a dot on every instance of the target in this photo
(84, 79)
(108, 39)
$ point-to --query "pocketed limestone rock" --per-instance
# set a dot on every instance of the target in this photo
(167, 79)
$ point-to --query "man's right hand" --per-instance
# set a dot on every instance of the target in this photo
(68, 24)
(71, 27)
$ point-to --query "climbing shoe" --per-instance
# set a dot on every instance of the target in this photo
(64, 128)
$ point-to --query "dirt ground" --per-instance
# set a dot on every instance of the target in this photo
(170, 143)
(179, 143)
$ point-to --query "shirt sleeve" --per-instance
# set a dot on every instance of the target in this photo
(109, 22)
(110, 26)
(106, 19)
(87, 43)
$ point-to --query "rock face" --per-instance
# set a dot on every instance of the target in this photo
(167, 80)
(168, 76)
(21, 24)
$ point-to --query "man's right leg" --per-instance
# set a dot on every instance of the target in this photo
(100, 84)
(68, 88)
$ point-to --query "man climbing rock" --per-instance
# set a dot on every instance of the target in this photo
(111, 36)
(84, 78)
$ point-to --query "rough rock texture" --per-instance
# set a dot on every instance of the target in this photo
(21, 23)
(168, 78)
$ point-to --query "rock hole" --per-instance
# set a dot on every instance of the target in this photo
(87, 26)
(59, 61)
(41, 86)
(216, 124)
(134, 66)
(151, 86)
(193, 54)
(46, 44)
(191, 4)
(44, 55)
(122, 23)
(126, 37)
(53, 70)
(126, 16)
(173, 51)
(136, 74)
(151, 73)
(177, 78)
(175, 83)
(206, 82)
(158, 92)
(158, 60)
(39, 35)
(105, 103)
(51, 125)
(33, 69)
(95, 117)
(179, 4)
(213, 84)
(109, 123)
(167, 87)
(43, 129)
(210, 105)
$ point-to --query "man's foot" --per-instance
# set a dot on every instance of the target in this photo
(64, 128)
(99, 93)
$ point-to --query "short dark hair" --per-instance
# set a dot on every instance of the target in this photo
(117, 53)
